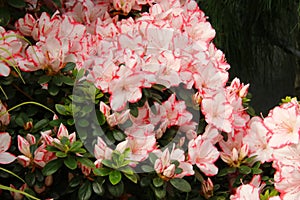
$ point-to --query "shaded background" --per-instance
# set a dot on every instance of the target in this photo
(260, 41)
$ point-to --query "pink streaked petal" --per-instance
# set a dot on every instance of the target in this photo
(31, 139)
(5, 141)
(23, 160)
(24, 146)
(62, 132)
(4, 69)
(6, 158)
(72, 137)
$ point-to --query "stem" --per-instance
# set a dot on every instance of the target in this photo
(30, 102)
(10, 172)
(3, 187)
(24, 93)
(3, 93)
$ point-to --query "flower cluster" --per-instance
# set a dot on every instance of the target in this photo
(164, 104)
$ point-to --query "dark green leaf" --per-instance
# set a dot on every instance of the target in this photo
(30, 179)
(75, 181)
(181, 184)
(85, 191)
(107, 163)
(245, 169)
(70, 162)
(53, 89)
(256, 171)
(134, 111)
(157, 182)
(44, 79)
(68, 67)
(115, 177)
(4, 16)
(116, 190)
(68, 80)
(147, 168)
(60, 109)
(57, 80)
(40, 124)
(118, 135)
(52, 167)
(98, 188)
(17, 3)
(160, 193)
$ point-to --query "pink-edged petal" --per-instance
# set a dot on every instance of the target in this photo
(5, 141)
(6, 158)
(31, 139)
(62, 132)
(4, 69)
(24, 146)
(23, 160)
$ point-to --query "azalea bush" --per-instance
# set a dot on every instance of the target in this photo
(132, 100)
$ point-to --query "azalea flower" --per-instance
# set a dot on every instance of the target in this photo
(233, 149)
(246, 192)
(257, 139)
(5, 142)
(165, 166)
(203, 153)
(40, 156)
(284, 123)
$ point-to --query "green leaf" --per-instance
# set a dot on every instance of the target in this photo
(52, 149)
(145, 181)
(256, 171)
(17, 3)
(57, 80)
(83, 123)
(4, 16)
(118, 135)
(132, 177)
(53, 89)
(127, 170)
(160, 193)
(52, 166)
(116, 190)
(225, 171)
(107, 163)
(181, 184)
(68, 67)
(61, 154)
(102, 171)
(245, 169)
(100, 117)
(85, 191)
(157, 182)
(75, 146)
(40, 124)
(75, 181)
(115, 177)
(85, 161)
(60, 109)
(44, 79)
(147, 168)
(70, 162)
(98, 188)
(30, 179)
(134, 111)
(68, 80)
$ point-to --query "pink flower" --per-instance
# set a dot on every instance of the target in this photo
(5, 142)
(10, 47)
(203, 153)
(101, 152)
(233, 150)
(40, 156)
(124, 5)
(25, 25)
(287, 182)
(257, 139)
(246, 192)
(218, 112)
(284, 123)
(166, 169)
